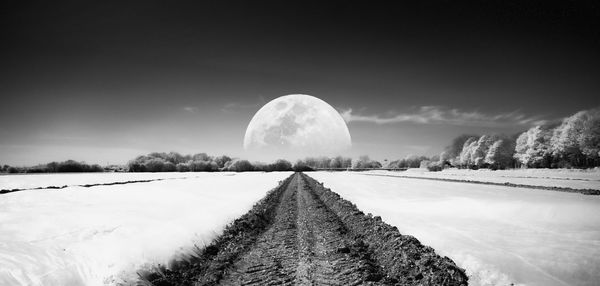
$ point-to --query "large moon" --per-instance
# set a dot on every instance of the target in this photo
(297, 125)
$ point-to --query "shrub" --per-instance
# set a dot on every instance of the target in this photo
(300, 166)
(154, 165)
(222, 160)
(169, 167)
(182, 167)
(434, 168)
(240, 166)
(203, 166)
(282, 165)
(134, 166)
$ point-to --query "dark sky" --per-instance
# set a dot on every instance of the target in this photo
(103, 81)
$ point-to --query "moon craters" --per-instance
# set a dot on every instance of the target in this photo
(297, 124)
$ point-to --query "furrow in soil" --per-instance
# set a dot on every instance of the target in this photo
(302, 233)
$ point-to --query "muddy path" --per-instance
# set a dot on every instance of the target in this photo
(304, 234)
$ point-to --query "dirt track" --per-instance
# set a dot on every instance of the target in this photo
(304, 234)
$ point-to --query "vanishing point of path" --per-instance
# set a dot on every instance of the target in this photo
(307, 245)
(304, 234)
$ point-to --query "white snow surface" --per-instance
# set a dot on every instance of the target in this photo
(564, 178)
(500, 235)
(30, 181)
(101, 235)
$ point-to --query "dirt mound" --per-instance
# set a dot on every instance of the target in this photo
(304, 234)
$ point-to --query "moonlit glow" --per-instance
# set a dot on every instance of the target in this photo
(296, 125)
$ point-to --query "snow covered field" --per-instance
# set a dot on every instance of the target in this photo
(30, 181)
(500, 235)
(90, 236)
(564, 178)
(98, 235)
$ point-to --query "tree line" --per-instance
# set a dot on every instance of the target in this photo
(572, 143)
(69, 166)
(201, 162)
(338, 162)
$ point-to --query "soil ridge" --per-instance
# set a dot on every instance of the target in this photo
(302, 233)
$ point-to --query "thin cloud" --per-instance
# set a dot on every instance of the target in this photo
(236, 106)
(444, 115)
(190, 109)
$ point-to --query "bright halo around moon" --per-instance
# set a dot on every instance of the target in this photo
(297, 125)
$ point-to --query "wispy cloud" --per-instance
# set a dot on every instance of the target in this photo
(444, 115)
(190, 109)
(236, 106)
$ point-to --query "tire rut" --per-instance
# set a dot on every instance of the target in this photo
(304, 234)
(306, 245)
(329, 255)
(272, 260)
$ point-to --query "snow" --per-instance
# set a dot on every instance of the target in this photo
(564, 178)
(102, 234)
(30, 181)
(500, 235)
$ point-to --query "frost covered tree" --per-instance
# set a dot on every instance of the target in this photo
(239, 166)
(346, 162)
(480, 149)
(533, 147)
(565, 140)
(281, 165)
(452, 152)
(500, 154)
(475, 150)
(335, 163)
(222, 160)
(318, 162)
(182, 167)
(574, 142)
(589, 140)
(175, 158)
(169, 167)
(464, 158)
(201, 157)
(154, 165)
(365, 162)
